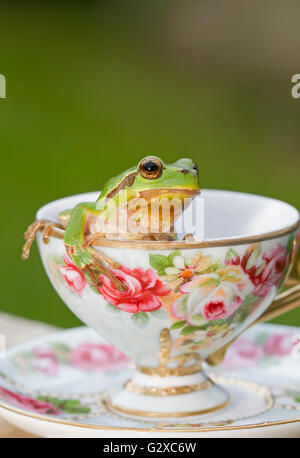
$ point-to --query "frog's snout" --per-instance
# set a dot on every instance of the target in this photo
(186, 165)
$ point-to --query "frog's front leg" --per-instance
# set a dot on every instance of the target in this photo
(30, 234)
(78, 240)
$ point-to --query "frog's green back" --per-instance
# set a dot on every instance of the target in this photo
(114, 182)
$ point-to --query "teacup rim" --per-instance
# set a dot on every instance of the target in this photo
(186, 244)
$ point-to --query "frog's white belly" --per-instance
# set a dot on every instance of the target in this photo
(131, 222)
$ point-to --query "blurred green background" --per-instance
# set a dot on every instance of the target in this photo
(94, 86)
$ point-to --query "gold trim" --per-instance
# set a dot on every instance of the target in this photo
(284, 302)
(167, 391)
(165, 350)
(292, 261)
(164, 359)
(186, 244)
(140, 413)
(176, 371)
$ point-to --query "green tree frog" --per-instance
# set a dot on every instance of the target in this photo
(128, 208)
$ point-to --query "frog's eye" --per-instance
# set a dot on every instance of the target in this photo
(151, 168)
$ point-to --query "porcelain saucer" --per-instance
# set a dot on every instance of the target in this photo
(56, 386)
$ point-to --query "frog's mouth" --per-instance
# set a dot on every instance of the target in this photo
(159, 193)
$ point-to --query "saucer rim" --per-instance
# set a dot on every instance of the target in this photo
(46, 418)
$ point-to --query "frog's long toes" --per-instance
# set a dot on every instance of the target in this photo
(188, 237)
(93, 278)
(102, 257)
(47, 231)
(165, 237)
(25, 252)
(118, 284)
(30, 236)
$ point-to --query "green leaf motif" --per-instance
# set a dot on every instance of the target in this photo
(140, 319)
(71, 403)
(172, 256)
(231, 255)
(159, 262)
(255, 252)
(161, 273)
(243, 312)
(72, 406)
(250, 299)
(93, 288)
(177, 325)
(61, 351)
(77, 410)
(160, 313)
(197, 319)
(180, 307)
(187, 330)
(261, 338)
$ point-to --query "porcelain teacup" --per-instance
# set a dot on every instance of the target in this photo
(184, 301)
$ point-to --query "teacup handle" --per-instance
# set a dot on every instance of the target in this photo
(284, 302)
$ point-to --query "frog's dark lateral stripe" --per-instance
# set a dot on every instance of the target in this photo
(127, 181)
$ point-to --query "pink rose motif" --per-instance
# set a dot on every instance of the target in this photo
(207, 300)
(19, 400)
(73, 276)
(243, 353)
(45, 361)
(88, 356)
(278, 345)
(267, 271)
(216, 310)
(276, 264)
(143, 289)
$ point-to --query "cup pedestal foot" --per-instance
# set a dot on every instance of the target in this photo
(171, 397)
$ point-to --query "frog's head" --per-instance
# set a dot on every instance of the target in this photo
(151, 188)
(152, 178)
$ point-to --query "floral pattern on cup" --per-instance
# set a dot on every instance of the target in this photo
(264, 270)
(72, 276)
(143, 290)
(196, 292)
